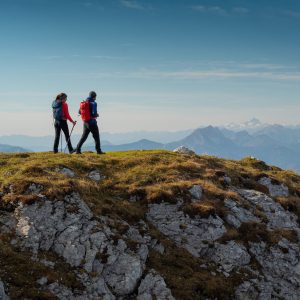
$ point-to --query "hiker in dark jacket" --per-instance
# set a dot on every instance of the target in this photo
(89, 115)
(61, 116)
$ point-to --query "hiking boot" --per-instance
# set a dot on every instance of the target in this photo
(72, 151)
(77, 151)
(100, 152)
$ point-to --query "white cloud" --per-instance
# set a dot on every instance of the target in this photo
(132, 4)
(210, 9)
(292, 13)
(204, 74)
(220, 10)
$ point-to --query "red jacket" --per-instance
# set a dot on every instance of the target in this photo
(65, 111)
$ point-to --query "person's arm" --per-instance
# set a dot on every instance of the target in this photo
(66, 112)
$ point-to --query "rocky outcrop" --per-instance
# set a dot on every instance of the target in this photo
(278, 217)
(275, 189)
(184, 150)
(279, 275)
(69, 229)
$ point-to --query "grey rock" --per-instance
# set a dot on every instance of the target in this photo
(7, 222)
(229, 256)
(184, 150)
(192, 234)
(35, 189)
(227, 180)
(95, 175)
(246, 291)
(122, 276)
(3, 295)
(66, 171)
(196, 191)
(277, 216)
(68, 228)
(281, 269)
(239, 214)
(275, 190)
(42, 280)
(153, 286)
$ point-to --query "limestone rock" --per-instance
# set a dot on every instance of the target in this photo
(275, 190)
(277, 216)
(3, 295)
(68, 228)
(230, 255)
(281, 269)
(95, 175)
(42, 281)
(246, 291)
(196, 191)
(239, 214)
(66, 171)
(122, 276)
(153, 287)
(184, 150)
(191, 234)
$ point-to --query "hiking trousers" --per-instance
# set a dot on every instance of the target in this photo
(88, 127)
(59, 126)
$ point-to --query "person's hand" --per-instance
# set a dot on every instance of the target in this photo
(97, 115)
(74, 123)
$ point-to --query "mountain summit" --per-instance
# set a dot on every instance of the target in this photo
(147, 225)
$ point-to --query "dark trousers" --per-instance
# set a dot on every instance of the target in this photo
(88, 127)
(59, 126)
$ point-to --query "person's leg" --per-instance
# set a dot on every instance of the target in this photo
(85, 134)
(57, 128)
(65, 129)
(95, 132)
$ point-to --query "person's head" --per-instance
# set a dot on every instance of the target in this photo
(62, 97)
(93, 95)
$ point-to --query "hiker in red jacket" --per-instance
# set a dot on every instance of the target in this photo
(61, 115)
(89, 115)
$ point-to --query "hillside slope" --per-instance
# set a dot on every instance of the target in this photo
(147, 225)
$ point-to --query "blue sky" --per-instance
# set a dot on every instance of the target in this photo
(157, 65)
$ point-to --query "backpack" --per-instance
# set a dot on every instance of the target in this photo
(85, 111)
(57, 110)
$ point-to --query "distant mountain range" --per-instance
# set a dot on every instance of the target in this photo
(275, 144)
(9, 148)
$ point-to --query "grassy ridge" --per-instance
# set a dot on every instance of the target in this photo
(149, 176)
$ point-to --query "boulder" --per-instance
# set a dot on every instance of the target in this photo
(184, 150)
(153, 286)
(66, 171)
(196, 191)
(95, 175)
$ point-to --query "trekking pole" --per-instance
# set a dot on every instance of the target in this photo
(70, 136)
(61, 141)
